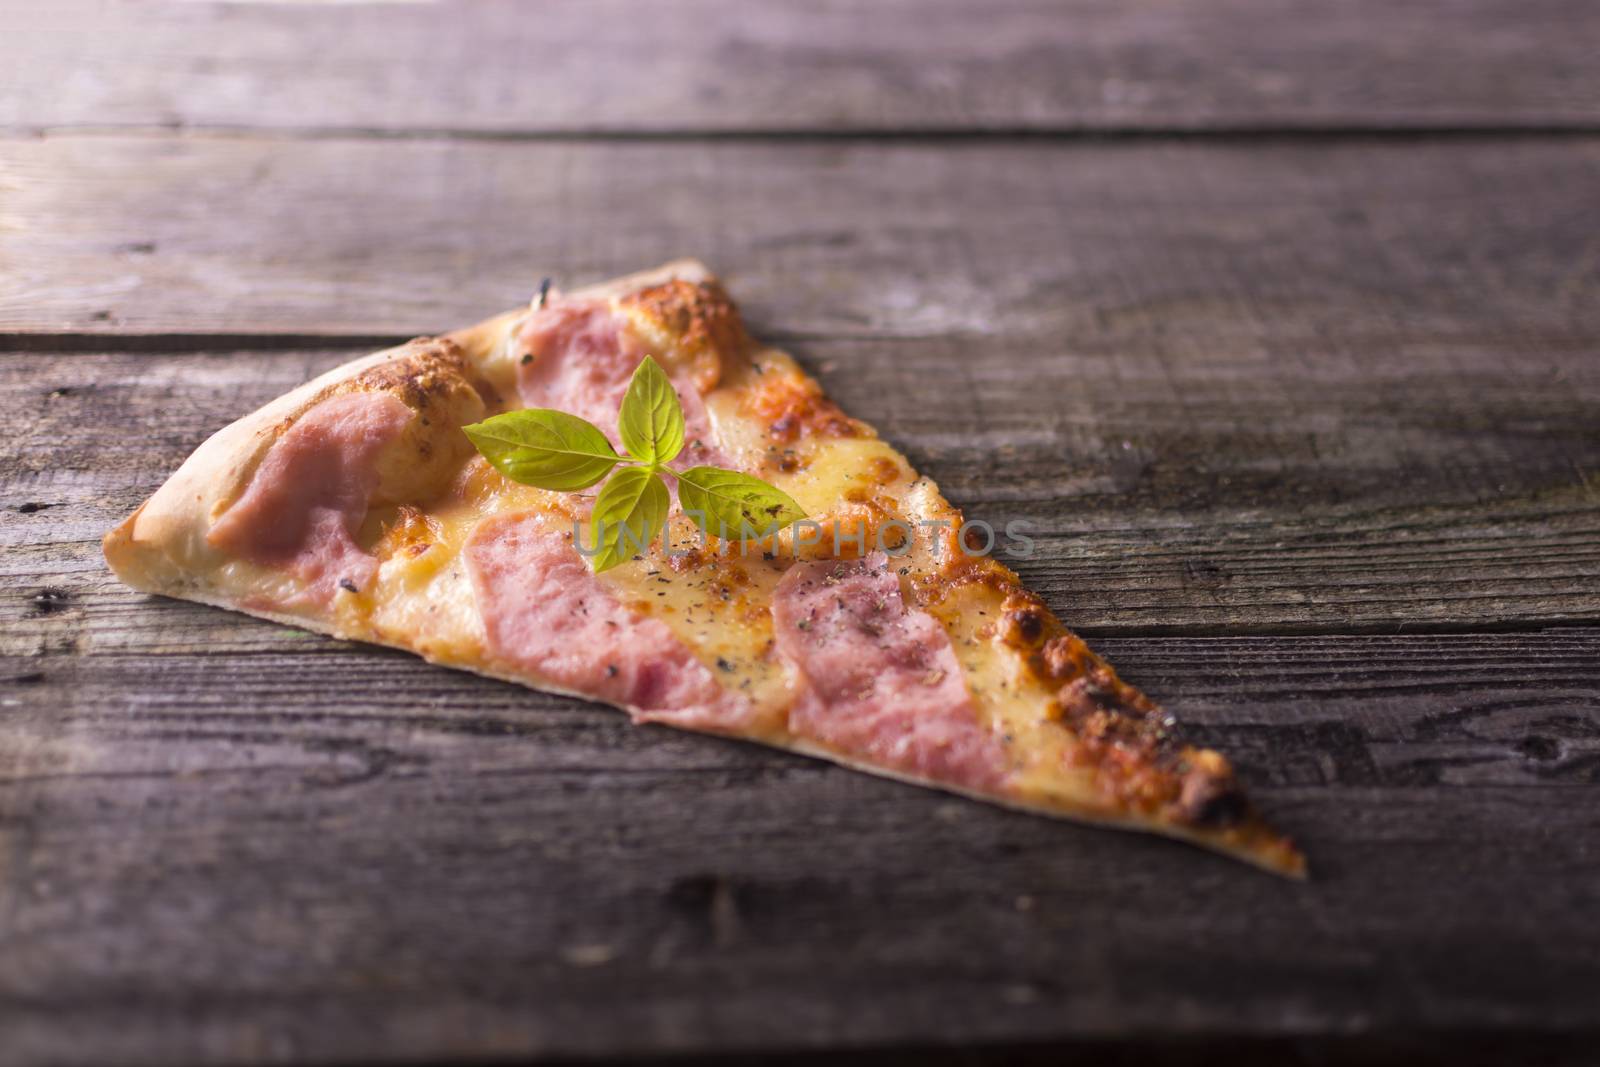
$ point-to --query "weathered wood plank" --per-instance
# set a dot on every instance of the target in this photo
(209, 859)
(1214, 491)
(1282, 250)
(1333, 712)
(855, 65)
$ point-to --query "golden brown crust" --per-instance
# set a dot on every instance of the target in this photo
(431, 370)
(706, 332)
(793, 406)
(161, 545)
(1136, 751)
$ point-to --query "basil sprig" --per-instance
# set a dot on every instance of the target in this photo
(561, 452)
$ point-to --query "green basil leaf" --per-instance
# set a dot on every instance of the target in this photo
(733, 503)
(651, 420)
(630, 511)
(543, 448)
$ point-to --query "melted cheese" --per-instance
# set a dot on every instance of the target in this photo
(714, 596)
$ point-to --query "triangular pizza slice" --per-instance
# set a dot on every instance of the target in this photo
(876, 633)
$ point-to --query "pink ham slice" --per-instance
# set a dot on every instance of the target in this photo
(308, 497)
(582, 360)
(544, 612)
(879, 681)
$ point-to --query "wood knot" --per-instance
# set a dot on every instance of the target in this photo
(49, 600)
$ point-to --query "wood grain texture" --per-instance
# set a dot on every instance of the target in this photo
(1307, 428)
(1280, 250)
(209, 860)
(581, 66)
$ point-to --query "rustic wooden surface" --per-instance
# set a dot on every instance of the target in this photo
(1305, 410)
(578, 67)
(1282, 250)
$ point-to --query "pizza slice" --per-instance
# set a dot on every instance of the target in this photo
(873, 633)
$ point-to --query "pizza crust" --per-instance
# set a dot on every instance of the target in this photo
(160, 546)
(157, 547)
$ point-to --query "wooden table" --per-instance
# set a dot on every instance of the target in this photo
(1280, 321)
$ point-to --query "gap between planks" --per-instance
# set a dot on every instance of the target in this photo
(1241, 133)
(173, 343)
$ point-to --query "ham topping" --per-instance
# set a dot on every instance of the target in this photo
(544, 612)
(578, 358)
(308, 497)
(879, 680)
